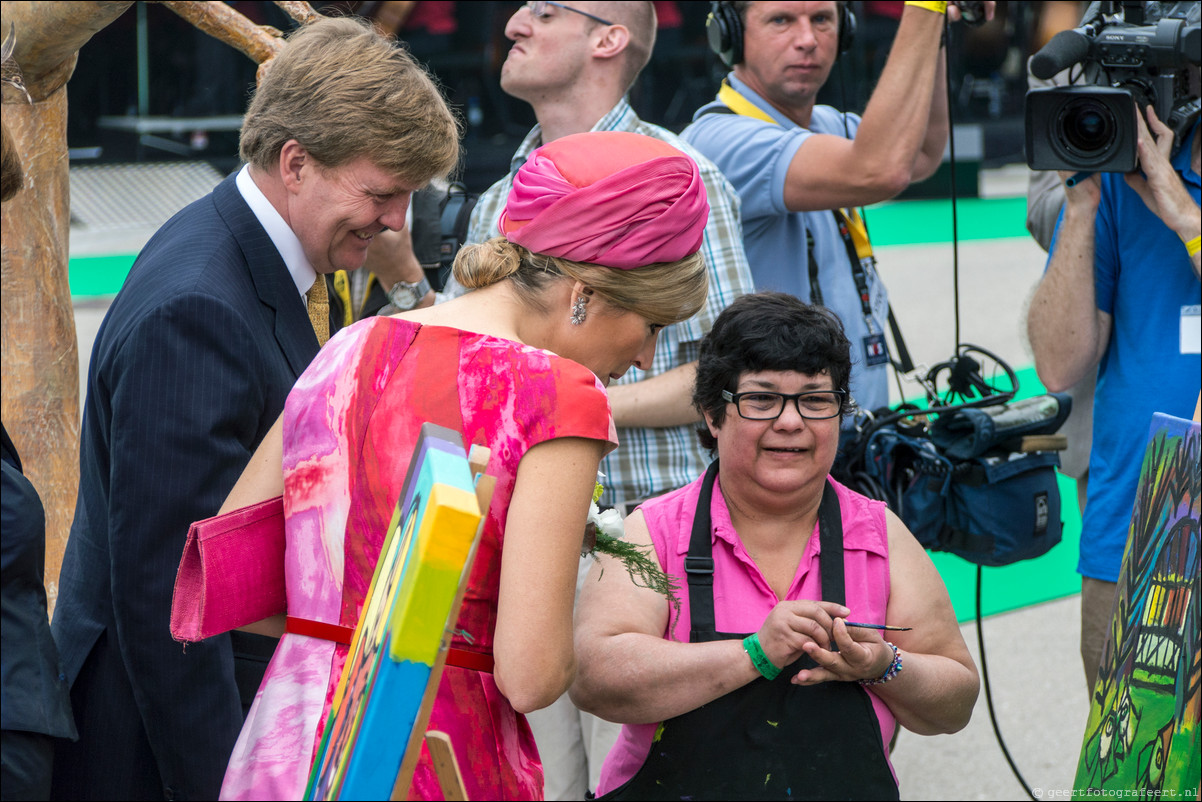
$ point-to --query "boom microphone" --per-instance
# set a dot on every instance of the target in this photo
(1066, 49)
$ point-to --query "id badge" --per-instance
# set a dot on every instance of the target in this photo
(878, 298)
(1191, 329)
(876, 352)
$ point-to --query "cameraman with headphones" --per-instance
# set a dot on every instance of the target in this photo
(800, 168)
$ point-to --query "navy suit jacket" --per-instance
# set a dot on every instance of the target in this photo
(34, 691)
(189, 370)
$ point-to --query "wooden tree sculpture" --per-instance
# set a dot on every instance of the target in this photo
(40, 353)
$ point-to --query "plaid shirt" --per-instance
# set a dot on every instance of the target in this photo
(650, 462)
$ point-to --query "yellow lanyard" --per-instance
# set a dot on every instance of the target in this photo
(851, 217)
(342, 287)
(857, 229)
(741, 105)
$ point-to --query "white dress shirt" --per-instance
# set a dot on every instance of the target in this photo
(281, 235)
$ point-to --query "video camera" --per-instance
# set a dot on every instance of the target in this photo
(441, 215)
(1133, 54)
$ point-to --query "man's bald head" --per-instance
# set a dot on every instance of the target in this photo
(638, 18)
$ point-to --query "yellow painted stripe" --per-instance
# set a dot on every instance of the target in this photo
(428, 588)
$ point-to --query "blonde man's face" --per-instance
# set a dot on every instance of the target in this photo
(336, 212)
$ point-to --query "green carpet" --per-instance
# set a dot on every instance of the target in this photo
(98, 276)
(930, 221)
(901, 223)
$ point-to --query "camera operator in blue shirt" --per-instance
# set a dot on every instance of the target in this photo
(1121, 296)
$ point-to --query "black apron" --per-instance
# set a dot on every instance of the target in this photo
(768, 739)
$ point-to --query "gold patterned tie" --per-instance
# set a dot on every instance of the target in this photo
(319, 309)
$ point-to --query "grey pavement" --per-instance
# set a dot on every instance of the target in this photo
(1038, 685)
(996, 281)
(1037, 682)
(1039, 696)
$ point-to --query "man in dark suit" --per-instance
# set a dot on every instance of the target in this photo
(190, 369)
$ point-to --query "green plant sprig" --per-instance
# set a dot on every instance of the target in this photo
(643, 568)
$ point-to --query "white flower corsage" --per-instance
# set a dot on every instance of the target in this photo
(603, 535)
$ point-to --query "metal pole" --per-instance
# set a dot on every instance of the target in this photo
(143, 46)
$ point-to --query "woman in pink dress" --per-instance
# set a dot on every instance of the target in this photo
(599, 251)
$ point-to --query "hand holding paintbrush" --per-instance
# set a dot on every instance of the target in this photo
(885, 627)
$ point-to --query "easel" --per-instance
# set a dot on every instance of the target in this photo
(446, 767)
(471, 492)
(442, 754)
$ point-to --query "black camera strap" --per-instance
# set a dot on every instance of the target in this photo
(845, 220)
(815, 289)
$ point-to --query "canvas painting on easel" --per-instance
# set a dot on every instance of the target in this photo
(1143, 728)
(394, 661)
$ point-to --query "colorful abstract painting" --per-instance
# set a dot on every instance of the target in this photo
(393, 660)
(1142, 736)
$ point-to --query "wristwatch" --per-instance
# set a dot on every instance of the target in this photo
(405, 296)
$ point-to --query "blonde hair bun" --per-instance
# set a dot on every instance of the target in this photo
(486, 263)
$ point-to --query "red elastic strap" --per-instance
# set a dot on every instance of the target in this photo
(476, 661)
(319, 629)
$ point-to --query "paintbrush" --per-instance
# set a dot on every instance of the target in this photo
(877, 626)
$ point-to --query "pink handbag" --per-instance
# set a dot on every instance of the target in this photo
(232, 572)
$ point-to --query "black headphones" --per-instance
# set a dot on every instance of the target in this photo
(724, 29)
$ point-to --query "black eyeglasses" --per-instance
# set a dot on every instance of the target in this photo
(812, 405)
(538, 9)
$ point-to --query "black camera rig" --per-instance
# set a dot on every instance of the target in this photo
(1131, 55)
(973, 472)
(441, 215)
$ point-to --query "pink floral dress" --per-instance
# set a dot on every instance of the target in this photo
(350, 425)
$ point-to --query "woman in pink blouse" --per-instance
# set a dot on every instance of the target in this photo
(758, 688)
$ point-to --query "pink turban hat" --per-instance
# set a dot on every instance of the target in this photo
(610, 198)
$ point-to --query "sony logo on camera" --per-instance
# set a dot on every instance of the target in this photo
(1131, 55)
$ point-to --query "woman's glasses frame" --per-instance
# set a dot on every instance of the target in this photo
(736, 399)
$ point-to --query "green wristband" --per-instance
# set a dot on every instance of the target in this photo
(751, 645)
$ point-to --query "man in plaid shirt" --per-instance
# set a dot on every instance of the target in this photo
(573, 63)
(575, 71)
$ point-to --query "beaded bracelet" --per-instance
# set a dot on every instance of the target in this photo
(751, 645)
(892, 671)
(1193, 246)
(929, 5)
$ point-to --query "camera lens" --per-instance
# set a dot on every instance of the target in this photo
(1086, 126)
(1088, 129)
